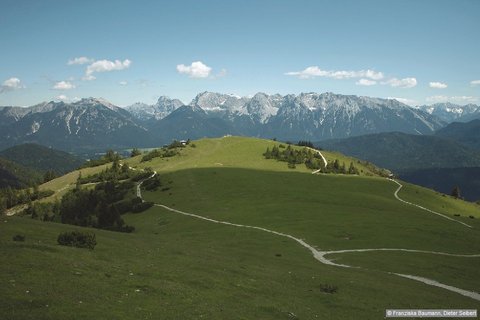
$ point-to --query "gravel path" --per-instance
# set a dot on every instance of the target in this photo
(323, 158)
(400, 186)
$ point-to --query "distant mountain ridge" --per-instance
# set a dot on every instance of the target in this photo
(466, 133)
(15, 175)
(450, 112)
(96, 124)
(402, 152)
(82, 125)
(41, 158)
(306, 116)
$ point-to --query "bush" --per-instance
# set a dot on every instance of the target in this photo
(152, 184)
(328, 288)
(18, 237)
(77, 239)
(142, 206)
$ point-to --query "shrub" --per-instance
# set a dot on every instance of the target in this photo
(142, 206)
(152, 184)
(328, 288)
(77, 239)
(18, 237)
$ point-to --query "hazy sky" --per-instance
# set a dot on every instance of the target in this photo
(129, 51)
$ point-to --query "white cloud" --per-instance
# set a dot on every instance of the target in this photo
(63, 85)
(196, 70)
(365, 82)
(455, 99)
(410, 102)
(222, 73)
(438, 85)
(88, 78)
(79, 60)
(401, 83)
(314, 71)
(475, 82)
(123, 83)
(11, 84)
(105, 66)
(61, 97)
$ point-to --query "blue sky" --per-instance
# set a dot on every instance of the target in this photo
(420, 52)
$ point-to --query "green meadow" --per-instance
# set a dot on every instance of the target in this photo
(179, 267)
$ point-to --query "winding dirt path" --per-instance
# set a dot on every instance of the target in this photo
(400, 186)
(320, 255)
(323, 158)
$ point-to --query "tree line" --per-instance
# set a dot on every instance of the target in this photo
(309, 157)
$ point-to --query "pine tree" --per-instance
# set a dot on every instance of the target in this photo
(135, 152)
(456, 192)
(79, 181)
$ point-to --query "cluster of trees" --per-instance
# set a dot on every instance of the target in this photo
(49, 175)
(108, 157)
(159, 153)
(336, 167)
(167, 151)
(305, 143)
(10, 197)
(45, 211)
(309, 157)
(100, 207)
(135, 152)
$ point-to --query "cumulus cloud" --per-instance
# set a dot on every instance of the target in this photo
(475, 82)
(63, 85)
(105, 66)
(365, 82)
(410, 102)
(438, 85)
(314, 71)
(401, 83)
(11, 84)
(79, 60)
(195, 70)
(456, 99)
(123, 83)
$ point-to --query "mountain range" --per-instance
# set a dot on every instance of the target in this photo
(92, 124)
(450, 112)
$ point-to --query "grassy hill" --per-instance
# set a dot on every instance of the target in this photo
(42, 158)
(179, 267)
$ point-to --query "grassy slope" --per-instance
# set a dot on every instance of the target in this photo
(235, 152)
(66, 182)
(186, 268)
